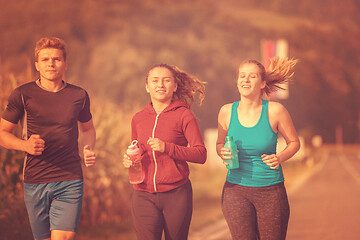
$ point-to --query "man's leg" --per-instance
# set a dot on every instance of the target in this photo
(65, 209)
(62, 235)
(37, 201)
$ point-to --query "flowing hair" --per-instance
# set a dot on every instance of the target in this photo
(187, 85)
(280, 71)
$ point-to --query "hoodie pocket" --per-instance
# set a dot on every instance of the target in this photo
(171, 171)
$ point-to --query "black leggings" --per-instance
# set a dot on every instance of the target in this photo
(256, 212)
(169, 211)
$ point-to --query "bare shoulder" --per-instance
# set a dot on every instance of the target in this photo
(276, 108)
(277, 112)
(226, 108)
(225, 115)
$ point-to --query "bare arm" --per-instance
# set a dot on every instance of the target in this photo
(280, 118)
(223, 124)
(288, 131)
(34, 145)
(88, 134)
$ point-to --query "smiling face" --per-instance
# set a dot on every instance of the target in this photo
(161, 85)
(250, 83)
(51, 64)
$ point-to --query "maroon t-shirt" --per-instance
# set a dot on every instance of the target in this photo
(54, 116)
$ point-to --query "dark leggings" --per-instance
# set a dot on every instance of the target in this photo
(256, 212)
(169, 211)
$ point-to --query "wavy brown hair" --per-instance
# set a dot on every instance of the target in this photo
(280, 71)
(187, 85)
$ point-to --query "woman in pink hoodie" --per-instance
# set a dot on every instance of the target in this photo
(168, 136)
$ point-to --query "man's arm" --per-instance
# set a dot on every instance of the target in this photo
(34, 145)
(88, 134)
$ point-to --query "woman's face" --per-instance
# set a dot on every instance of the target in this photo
(161, 85)
(249, 80)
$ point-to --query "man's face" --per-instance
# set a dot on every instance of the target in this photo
(51, 64)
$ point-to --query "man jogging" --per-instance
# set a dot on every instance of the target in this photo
(51, 112)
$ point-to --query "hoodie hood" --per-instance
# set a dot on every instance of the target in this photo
(175, 104)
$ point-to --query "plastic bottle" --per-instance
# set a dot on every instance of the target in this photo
(234, 161)
(136, 174)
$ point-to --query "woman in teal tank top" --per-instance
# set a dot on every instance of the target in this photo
(252, 142)
(254, 200)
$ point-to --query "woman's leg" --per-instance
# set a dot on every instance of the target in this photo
(177, 211)
(273, 212)
(147, 216)
(239, 212)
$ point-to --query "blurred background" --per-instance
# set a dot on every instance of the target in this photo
(113, 43)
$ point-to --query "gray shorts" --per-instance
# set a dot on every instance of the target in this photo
(53, 206)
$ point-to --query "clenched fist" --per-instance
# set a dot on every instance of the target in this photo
(35, 145)
(89, 156)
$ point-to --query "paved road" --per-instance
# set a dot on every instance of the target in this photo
(327, 206)
(325, 202)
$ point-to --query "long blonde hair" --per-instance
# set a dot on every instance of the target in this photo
(187, 85)
(280, 71)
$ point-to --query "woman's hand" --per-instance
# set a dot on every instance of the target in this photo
(156, 144)
(225, 153)
(126, 161)
(273, 161)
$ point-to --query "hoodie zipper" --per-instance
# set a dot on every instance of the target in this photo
(153, 152)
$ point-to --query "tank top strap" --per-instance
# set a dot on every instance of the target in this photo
(234, 114)
(265, 110)
(234, 108)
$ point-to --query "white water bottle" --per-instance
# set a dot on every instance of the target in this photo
(136, 174)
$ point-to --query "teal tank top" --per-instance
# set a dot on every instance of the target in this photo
(252, 142)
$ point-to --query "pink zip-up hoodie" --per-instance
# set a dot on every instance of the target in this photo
(176, 125)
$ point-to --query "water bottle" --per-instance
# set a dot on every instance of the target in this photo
(234, 161)
(136, 174)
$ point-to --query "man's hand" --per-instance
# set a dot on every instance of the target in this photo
(35, 145)
(89, 156)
